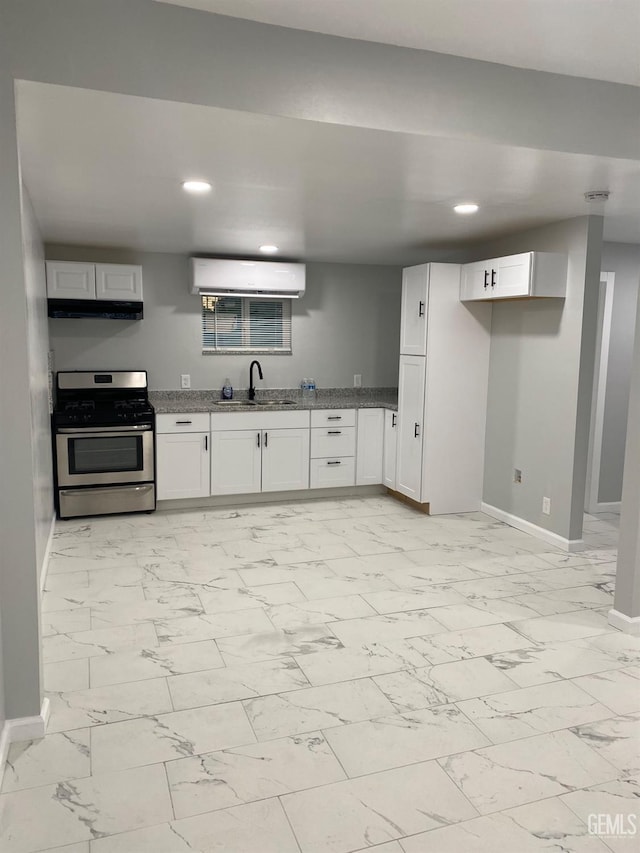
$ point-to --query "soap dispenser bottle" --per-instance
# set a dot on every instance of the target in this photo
(227, 390)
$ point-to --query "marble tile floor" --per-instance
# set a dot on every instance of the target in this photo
(327, 676)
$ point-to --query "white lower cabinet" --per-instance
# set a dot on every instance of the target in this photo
(333, 448)
(285, 460)
(390, 449)
(236, 457)
(369, 448)
(328, 473)
(259, 452)
(182, 458)
(411, 383)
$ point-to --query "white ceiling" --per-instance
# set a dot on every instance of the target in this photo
(585, 38)
(106, 169)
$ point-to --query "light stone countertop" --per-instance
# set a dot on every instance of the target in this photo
(172, 402)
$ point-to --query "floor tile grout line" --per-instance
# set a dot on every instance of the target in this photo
(287, 818)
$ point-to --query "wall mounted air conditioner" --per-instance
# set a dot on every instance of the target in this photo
(222, 277)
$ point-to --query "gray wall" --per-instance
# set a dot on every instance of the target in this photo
(538, 383)
(623, 259)
(38, 342)
(347, 322)
(19, 569)
(627, 594)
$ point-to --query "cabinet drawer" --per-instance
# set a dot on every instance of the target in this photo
(333, 417)
(325, 473)
(333, 441)
(259, 420)
(183, 422)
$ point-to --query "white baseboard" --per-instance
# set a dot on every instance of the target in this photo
(23, 728)
(611, 506)
(628, 624)
(45, 562)
(570, 545)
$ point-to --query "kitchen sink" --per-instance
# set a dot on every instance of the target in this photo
(231, 403)
(276, 402)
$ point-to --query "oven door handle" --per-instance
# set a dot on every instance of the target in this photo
(132, 429)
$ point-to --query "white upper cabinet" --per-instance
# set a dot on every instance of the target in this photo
(122, 282)
(474, 281)
(413, 318)
(71, 280)
(527, 275)
(74, 280)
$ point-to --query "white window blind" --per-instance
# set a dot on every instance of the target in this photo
(244, 325)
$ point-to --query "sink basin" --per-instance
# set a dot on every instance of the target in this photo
(275, 402)
(232, 403)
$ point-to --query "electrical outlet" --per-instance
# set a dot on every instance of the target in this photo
(357, 380)
(185, 380)
(546, 506)
(517, 475)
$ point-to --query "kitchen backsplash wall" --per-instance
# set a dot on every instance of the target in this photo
(347, 322)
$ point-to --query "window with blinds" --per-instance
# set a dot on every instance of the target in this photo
(242, 324)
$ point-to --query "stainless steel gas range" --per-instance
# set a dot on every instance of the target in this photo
(104, 448)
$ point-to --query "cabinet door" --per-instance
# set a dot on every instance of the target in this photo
(369, 447)
(285, 460)
(235, 462)
(413, 318)
(390, 448)
(513, 276)
(475, 281)
(411, 391)
(182, 465)
(71, 280)
(119, 281)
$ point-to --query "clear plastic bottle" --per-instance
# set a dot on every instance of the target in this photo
(308, 389)
(227, 390)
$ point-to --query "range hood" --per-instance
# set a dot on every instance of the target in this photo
(224, 277)
(106, 309)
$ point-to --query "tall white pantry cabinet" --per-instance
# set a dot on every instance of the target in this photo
(442, 391)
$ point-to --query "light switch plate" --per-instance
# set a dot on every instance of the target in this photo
(357, 380)
(185, 380)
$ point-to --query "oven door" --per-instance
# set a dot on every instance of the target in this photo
(94, 456)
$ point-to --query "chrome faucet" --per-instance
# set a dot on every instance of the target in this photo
(252, 390)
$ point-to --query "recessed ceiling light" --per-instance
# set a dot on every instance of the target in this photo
(196, 186)
(268, 250)
(467, 207)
